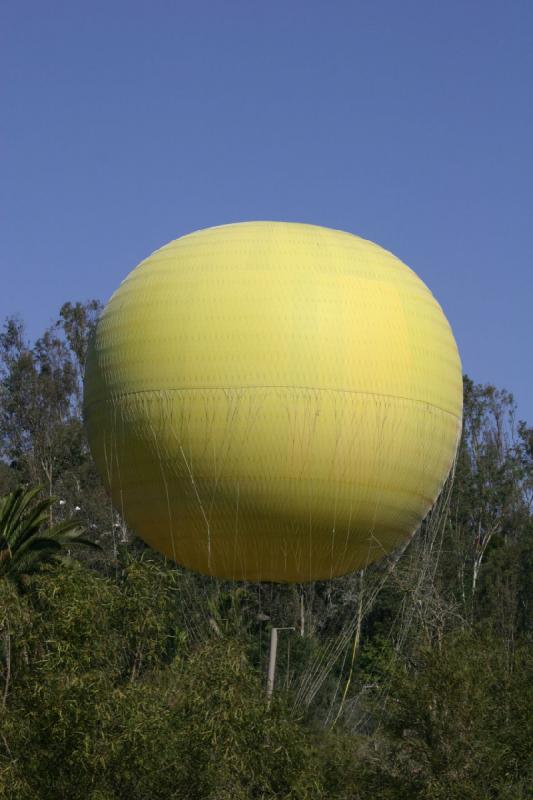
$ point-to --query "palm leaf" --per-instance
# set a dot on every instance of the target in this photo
(26, 543)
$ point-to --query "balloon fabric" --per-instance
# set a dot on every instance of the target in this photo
(273, 401)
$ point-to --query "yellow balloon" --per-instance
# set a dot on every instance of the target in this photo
(273, 401)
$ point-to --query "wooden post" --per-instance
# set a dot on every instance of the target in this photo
(272, 663)
(272, 660)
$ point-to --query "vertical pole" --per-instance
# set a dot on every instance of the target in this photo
(272, 660)
(272, 663)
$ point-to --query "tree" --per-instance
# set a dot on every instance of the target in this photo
(457, 723)
(108, 699)
(42, 437)
(24, 545)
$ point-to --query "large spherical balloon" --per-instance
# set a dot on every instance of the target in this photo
(273, 401)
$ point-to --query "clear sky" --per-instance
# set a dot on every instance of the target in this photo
(125, 124)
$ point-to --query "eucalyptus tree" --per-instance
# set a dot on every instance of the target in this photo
(42, 438)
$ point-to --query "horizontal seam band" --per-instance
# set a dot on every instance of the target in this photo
(297, 388)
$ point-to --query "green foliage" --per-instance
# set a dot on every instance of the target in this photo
(458, 723)
(26, 543)
(89, 717)
(42, 440)
(122, 676)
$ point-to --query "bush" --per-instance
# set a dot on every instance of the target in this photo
(458, 724)
(107, 700)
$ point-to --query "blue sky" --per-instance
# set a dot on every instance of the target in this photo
(127, 124)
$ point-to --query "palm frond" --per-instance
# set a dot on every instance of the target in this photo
(25, 542)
